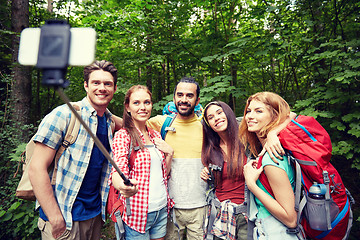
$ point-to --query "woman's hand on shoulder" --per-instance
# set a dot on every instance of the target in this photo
(205, 174)
(252, 173)
(163, 146)
(273, 147)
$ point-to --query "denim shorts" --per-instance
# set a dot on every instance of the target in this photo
(270, 228)
(155, 227)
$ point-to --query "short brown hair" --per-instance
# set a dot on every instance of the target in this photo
(100, 65)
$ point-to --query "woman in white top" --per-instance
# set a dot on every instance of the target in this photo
(147, 168)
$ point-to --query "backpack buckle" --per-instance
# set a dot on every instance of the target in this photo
(172, 129)
(326, 177)
(65, 144)
(293, 230)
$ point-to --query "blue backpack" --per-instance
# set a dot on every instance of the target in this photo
(171, 112)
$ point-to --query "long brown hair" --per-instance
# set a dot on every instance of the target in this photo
(211, 150)
(279, 110)
(128, 121)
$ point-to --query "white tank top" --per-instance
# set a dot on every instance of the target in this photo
(157, 190)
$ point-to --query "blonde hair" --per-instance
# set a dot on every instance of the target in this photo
(279, 111)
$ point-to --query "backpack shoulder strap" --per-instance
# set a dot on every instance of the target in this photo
(263, 179)
(70, 137)
(265, 182)
(112, 124)
(166, 125)
(131, 160)
(299, 202)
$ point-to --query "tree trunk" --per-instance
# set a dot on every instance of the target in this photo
(21, 84)
(50, 6)
(234, 77)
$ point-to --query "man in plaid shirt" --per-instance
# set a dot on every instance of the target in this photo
(74, 208)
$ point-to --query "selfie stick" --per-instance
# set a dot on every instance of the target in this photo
(96, 139)
(98, 144)
(54, 41)
(53, 59)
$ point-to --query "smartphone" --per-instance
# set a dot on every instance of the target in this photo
(81, 50)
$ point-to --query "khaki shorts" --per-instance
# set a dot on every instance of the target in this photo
(88, 229)
(190, 219)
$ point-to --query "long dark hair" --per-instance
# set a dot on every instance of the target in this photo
(211, 150)
(128, 121)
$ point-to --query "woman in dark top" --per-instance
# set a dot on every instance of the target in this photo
(222, 154)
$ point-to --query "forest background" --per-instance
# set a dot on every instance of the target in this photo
(305, 50)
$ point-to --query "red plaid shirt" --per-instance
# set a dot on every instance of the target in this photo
(140, 170)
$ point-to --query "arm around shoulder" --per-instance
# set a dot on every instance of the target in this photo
(273, 145)
(156, 122)
(118, 122)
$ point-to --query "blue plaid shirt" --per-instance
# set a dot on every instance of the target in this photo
(75, 159)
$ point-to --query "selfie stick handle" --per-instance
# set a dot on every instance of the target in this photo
(96, 139)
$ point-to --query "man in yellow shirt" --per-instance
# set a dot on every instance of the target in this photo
(185, 185)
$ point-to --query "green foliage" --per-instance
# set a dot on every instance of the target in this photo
(306, 51)
(218, 86)
(17, 217)
(158, 107)
(19, 221)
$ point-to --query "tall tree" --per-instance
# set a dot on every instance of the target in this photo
(21, 84)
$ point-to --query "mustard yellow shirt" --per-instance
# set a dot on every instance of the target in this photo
(185, 185)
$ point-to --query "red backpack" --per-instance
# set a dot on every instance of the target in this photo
(309, 148)
(114, 203)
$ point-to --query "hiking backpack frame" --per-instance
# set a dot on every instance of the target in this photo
(308, 147)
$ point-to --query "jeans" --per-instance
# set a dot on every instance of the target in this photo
(270, 228)
(155, 227)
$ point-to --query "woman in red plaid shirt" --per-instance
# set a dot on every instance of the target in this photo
(148, 169)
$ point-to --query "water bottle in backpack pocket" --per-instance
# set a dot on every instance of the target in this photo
(316, 211)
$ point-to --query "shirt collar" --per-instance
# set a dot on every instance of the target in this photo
(150, 131)
(86, 104)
